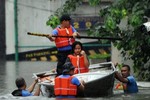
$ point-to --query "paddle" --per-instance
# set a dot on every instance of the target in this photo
(85, 37)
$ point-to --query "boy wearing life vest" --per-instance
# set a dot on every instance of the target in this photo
(63, 44)
(78, 58)
(66, 85)
(21, 91)
(128, 81)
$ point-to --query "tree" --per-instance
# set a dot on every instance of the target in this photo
(133, 13)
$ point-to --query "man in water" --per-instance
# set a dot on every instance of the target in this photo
(22, 91)
(129, 82)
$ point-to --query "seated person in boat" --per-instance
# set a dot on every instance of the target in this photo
(22, 91)
(66, 85)
(129, 82)
(78, 58)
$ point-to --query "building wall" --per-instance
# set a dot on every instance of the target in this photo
(10, 32)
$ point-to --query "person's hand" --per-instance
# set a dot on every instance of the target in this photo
(49, 36)
(75, 34)
(82, 82)
(115, 64)
(53, 70)
(82, 52)
(36, 80)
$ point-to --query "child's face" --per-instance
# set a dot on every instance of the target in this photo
(77, 49)
(66, 23)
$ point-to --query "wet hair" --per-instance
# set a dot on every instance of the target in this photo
(74, 45)
(65, 17)
(20, 82)
(127, 67)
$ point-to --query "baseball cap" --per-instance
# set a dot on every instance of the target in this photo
(67, 67)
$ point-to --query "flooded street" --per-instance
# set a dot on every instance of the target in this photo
(9, 71)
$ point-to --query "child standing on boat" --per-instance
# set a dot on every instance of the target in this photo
(63, 44)
(78, 58)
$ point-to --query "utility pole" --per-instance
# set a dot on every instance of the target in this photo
(2, 31)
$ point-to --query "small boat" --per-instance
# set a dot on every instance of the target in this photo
(99, 81)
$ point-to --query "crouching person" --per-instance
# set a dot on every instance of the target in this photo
(66, 85)
(22, 91)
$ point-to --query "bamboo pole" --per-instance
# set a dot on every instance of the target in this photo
(85, 37)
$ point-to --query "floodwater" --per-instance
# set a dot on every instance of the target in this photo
(10, 70)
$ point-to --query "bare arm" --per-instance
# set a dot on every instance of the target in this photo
(51, 38)
(75, 34)
(120, 78)
(37, 92)
(31, 87)
(86, 61)
(81, 87)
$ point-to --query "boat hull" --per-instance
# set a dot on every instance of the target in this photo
(98, 83)
(100, 87)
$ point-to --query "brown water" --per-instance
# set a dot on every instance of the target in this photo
(10, 70)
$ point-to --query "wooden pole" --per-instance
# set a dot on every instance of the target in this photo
(85, 37)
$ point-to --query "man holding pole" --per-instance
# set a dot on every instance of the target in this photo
(64, 45)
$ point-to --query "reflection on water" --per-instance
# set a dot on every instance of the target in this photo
(9, 71)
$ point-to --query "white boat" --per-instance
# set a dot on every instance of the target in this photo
(99, 81)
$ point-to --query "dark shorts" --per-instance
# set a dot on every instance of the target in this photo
(61, 56)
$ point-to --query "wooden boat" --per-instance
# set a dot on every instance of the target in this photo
(99, 81)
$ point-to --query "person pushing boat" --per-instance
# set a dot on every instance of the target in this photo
(22, 91)
(129, 82)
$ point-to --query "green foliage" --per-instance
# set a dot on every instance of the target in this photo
(135, 20)
(53, 21)
(94, 2)
(99, 56)
(110, 23)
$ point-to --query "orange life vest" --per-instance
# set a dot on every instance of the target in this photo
(61, 42)
(78, 64)
(63, 86)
